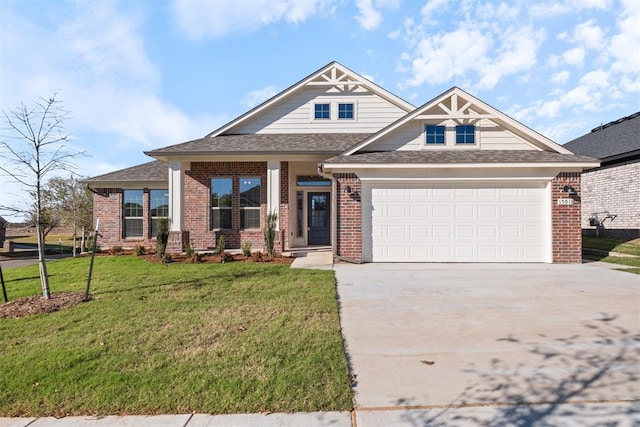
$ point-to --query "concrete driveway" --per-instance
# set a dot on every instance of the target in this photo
(504, 344)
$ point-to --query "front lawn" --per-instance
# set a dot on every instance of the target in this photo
(156, 339)
(611, 245)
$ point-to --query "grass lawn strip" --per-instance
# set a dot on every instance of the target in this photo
(612, 245)
(156, 339)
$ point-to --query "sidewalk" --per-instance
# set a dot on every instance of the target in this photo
(311, 419)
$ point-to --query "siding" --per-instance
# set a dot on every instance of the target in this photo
(294, 115)
(489, 136)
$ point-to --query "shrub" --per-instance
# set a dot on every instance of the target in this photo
(140, 250)
(162, 237)
(246, 249)
(270, 232)
(166, 258)
(220, 246)
(257, 257)
(115, 250)
(188, 250)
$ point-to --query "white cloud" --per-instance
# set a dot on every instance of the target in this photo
(556, 8)
(561, 77)
(201, 18)
(589, 35)
(368, 17)
(625, 45)
(574, 56)
(433, 7)
(256, 97)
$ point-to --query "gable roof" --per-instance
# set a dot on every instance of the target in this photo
(155, 171)
(3, 222)
(455, 112)
(327, 76)
(614, 141)
(306, 143)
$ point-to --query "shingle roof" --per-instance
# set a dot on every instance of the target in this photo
(459, 156)
(296, 143)
(613, 139)
(146, 172)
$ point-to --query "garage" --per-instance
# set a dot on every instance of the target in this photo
(455, 222)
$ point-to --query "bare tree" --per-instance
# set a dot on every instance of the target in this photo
(33, 148)
(72, 203)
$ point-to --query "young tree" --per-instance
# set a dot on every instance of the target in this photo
(33, 148)
(72, 203)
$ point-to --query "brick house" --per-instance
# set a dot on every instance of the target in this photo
(348, 165)
(611, 190)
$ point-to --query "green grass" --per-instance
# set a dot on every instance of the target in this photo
(611, 245)
(155, 339)
(52, 241)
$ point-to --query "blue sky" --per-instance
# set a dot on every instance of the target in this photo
(139, 75)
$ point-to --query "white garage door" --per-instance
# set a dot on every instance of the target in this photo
(455, 222)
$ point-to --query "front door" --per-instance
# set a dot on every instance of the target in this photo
(318, 218)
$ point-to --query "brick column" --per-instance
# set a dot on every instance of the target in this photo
(565, 222)
(349, 217)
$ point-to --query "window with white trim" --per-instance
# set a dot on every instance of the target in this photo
(133, 216)
(465, 134)
(345, 111)
(249, 203)
(434, 134)
(158, 208)
(221, 194)
(322, 111)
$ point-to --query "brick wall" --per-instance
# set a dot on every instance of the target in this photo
(349, 221)
(197, 210)
(107, 206)
(614, 189)
(565, 220)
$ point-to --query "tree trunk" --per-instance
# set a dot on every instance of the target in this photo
(44, 277)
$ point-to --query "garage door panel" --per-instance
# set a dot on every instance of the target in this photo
(416, 222)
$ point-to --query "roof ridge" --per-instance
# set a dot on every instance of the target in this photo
(615, 122)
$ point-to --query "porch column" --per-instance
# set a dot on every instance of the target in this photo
(273, 188)
(176, 193)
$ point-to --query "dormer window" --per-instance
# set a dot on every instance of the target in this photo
(465, 134)
(345, 111)
(435, 134)
(322, 112)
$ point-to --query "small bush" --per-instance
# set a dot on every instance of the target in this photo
(257, 257)
(162, 237)
(188, 250)
(115, 250)
(140, 250)
(166, 258)
(270, 233)
(246, 249)
(220, 246)
(225, 257)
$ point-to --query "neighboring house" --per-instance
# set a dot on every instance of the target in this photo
(613, 189)
(347, 164)
(3, 231)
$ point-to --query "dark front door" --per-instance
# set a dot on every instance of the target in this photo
(318, 218)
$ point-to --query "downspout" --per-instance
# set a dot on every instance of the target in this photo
(334, 215)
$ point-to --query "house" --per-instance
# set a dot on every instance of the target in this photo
(611, 192)
(349, 165)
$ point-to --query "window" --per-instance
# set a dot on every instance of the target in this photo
(159, 208)
(249, 203)
(133, 200)
(322, 111)
(221, 189)
(465, 134)
(299, 213)
(435, 134)
(345, 111)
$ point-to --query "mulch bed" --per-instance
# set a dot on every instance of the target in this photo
(38, 304)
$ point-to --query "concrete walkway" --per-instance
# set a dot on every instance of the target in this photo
(315, 260)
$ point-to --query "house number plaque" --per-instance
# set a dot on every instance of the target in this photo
(565, 201)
